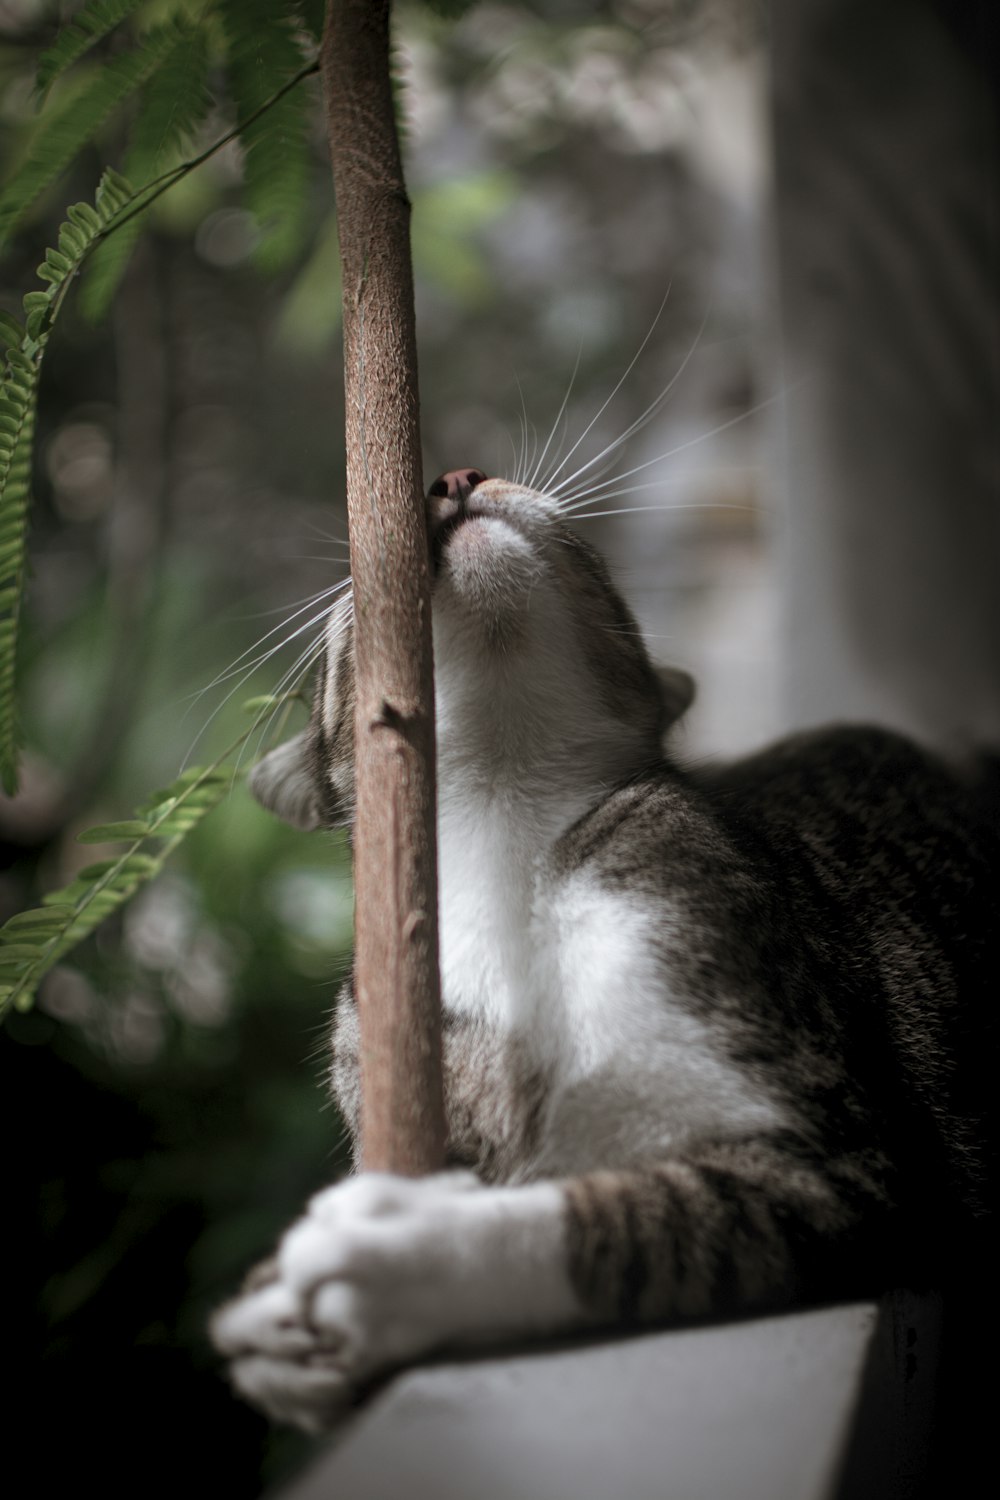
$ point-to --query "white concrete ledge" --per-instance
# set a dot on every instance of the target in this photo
(823, 1403)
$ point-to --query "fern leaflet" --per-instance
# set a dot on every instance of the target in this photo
(171, 108)
(17, 420)
(34, 941)
(60, 138)
(91, 22)
(263, 55)
(116, 205)
(18, 401)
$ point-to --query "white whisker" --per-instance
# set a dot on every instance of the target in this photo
(297, 673)
(601, 410)
(631, 510)
(555, 425)
(300, 669)
(282, 609)
(513, 450)
(235, 666)
(598, 492)
(242, 677)
(325, 536)
(311, 651)
(702, 437)
(522, 463)
(641, 421)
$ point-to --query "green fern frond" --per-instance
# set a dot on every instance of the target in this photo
(32, 942)
(18, 396)
(62, 136)
(18, 403)
(11, 331)
(92, 21)
(172, 107)
(116, 207)
(263, 55)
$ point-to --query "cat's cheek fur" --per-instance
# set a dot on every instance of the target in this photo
(382, 1270)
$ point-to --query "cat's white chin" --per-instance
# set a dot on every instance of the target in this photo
(488, 571)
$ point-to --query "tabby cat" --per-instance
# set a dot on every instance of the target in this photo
(713, 1041)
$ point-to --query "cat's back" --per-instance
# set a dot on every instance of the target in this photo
(893, 847)
(886, 859)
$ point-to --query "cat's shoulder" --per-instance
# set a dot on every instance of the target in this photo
(709, 820)
(689, 802)
(656, 832)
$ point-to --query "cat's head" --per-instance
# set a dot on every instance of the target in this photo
(541, 675)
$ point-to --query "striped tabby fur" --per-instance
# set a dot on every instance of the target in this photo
(713, 1040)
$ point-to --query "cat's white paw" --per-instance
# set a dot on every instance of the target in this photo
(382, 1270)
(278, 1362)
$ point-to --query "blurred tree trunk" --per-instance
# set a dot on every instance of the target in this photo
(887, 233)
(886, 217)
(395, 866)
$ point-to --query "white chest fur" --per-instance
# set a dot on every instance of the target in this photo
(581, 975)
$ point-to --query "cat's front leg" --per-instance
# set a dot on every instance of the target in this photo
(382, 1270)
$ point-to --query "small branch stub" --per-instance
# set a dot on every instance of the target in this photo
(395, 870)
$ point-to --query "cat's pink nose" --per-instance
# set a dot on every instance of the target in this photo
(457, 484)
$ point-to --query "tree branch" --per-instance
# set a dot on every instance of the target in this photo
(395, 867)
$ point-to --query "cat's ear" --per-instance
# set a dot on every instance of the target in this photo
(283, 782)
(676, 690)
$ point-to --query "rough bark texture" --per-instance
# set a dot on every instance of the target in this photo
(395, 870)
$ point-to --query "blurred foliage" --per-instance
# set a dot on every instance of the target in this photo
(568, 163)
(33, 942)
(26, 344)
(166, 70)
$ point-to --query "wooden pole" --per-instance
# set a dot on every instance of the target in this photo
(395, 861)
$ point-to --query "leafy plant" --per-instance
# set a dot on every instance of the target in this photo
(92, 22)
(85, 224)
(245, 58)
(33, 941)
(170, 78)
